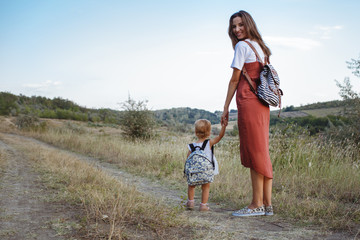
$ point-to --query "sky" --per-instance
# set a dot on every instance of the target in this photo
(171, 54)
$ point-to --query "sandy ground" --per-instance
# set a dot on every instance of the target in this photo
(25, 215)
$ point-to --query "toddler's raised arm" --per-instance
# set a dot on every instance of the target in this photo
(217, 139)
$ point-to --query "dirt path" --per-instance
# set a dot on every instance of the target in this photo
(221, 224)
(25, 212)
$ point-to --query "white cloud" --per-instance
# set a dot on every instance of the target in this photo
(293, 42)
(43, 86)
(326, 32)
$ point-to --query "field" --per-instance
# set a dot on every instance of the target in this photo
(122, 189)
(323, 112)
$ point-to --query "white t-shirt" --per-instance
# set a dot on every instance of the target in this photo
(244, 54)
(208, 153)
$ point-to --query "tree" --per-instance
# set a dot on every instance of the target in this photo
(351, 131)
(355, 65)
(289, 109)
(137, 121)
(7, 103)
(351, 97)
(104, 114)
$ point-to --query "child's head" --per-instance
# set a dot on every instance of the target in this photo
(202, 128)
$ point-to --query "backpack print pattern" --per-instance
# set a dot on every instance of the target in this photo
(199, 169)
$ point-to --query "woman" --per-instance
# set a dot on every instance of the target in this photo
(253, 116)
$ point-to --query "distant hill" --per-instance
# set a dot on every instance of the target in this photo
(56, 108)
(59, 108)
(319, 109)
(185, 115)
(314, 117)
(317, 115)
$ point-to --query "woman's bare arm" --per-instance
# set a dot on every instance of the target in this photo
(230, 94)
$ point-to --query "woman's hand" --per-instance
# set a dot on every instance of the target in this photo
(225, 118)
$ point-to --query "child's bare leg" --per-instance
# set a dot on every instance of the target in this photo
(205, 192)
(191, 192)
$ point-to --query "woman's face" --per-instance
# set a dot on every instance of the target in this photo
(238, 28)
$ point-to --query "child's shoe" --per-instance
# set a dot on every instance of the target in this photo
(190, 204)
(204, 207)
(269, 211)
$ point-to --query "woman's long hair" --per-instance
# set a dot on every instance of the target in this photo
(251, 30)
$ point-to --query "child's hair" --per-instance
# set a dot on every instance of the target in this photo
(202, 128)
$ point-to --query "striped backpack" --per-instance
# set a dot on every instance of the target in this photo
(199, 169)
(268, 91)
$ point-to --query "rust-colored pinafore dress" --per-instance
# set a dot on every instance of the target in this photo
(253, 124)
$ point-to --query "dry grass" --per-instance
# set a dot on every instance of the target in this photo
(322, 179)
(7, 124)
(161, 157)
(116, 210)
(228, 128)
(314, 182)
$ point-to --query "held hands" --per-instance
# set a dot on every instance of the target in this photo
(225, 118)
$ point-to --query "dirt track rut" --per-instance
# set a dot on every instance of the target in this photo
(24, 211)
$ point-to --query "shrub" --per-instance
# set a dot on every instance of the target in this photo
(30, 122)
(235, 131)
(7, 103)
(26, 121)
(47, 113)
(137, 121)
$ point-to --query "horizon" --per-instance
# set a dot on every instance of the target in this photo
(172, 54)
(271, 108)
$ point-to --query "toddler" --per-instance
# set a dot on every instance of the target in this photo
(202, 132)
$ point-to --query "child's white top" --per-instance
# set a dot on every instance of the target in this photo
(244, 54)
(207, 151)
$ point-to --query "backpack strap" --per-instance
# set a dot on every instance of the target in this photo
(248, 78)
(256, 53)
(267, 60)
(212, 156)
(192, 147)
(204, 144)
(212, 152)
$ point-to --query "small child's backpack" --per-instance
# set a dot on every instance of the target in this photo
(199, 169)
